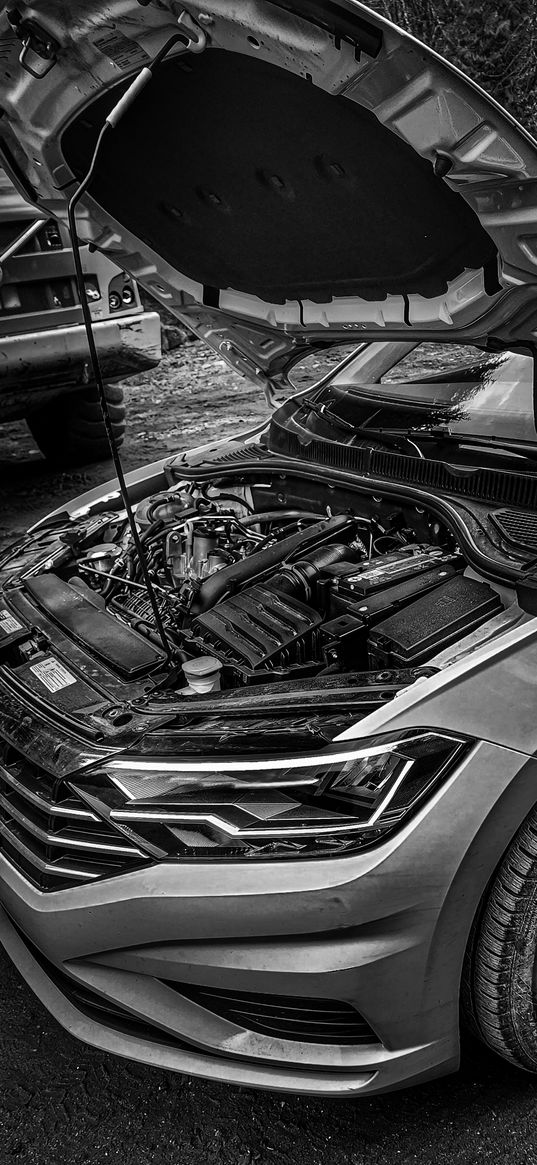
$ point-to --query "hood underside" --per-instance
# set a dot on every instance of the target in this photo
(305, 196)
(293, 174)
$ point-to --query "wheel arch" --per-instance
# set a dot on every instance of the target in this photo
(466, 896)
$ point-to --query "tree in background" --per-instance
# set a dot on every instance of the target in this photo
(494, 41)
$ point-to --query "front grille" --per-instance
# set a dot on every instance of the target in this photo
(284, 1017)
(50, 835)
(517, 527)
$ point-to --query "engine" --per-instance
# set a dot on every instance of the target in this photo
(246, 595)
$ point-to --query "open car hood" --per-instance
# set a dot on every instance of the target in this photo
(297, 173)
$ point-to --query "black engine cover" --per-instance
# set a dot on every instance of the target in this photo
(260, 630)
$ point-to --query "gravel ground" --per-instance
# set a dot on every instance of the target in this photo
(191, 397)
(62, 1103)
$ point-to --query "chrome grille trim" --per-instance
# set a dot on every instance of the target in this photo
(50, 836)
(62, 840)
(41, 803)
(43, 867)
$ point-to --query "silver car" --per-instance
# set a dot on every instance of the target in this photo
(285, 840)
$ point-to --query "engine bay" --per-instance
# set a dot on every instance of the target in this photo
(252, 591)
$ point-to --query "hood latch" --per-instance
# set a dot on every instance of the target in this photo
(36, 42)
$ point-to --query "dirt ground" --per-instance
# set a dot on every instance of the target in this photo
(62, 1103)
(191, 397)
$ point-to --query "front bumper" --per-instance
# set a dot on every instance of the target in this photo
(384, 931)
(57, 357)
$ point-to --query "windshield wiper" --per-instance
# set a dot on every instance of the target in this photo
(388, 437)
(441, 436)
(325, 413)
(398, 438)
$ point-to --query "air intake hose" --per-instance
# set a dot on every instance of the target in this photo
(300, 578)
(260, 563)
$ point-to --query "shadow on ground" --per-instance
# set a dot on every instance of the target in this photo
(62, 1103)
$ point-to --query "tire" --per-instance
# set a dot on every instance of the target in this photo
(70, 430)
(498, 990)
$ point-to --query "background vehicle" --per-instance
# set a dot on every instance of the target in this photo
(44, 372)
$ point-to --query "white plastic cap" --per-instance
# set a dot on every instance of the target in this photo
(202, 675)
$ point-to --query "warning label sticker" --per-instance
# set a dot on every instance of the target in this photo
(8, 623)
(52, 674)
(119, 48)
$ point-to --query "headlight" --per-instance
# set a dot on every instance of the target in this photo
(347, 798)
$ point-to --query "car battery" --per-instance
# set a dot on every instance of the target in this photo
(345, 635)
(352, 582)
(378, 604)
(418, 632)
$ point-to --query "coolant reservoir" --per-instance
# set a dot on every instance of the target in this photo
(202, 675)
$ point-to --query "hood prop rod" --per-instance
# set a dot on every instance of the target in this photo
(195, 40)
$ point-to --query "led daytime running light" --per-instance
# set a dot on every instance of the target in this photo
(172, 766)
(330, 795)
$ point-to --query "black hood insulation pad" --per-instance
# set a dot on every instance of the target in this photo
(243, 175)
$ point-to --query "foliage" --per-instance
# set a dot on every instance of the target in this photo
(495, 41)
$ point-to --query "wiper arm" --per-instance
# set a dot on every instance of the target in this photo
(398, 438)
(325, 412)
(441, 436)
(388, 437)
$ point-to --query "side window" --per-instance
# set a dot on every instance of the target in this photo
(313, 367)
(432, 359)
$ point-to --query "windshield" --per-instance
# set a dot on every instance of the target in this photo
(480, 395)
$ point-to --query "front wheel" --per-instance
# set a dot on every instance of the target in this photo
(70, 430)
(499, 993)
